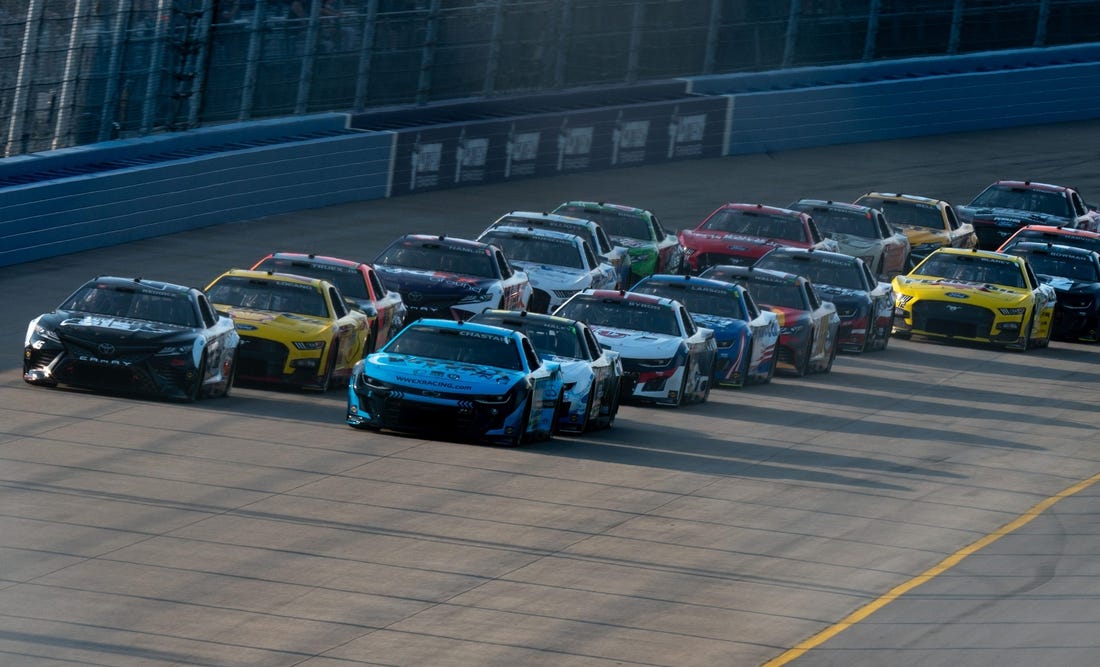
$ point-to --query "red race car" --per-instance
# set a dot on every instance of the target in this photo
(740, 234)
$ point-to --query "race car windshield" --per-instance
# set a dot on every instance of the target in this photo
(831, 221)
(457, 345)
(972, 269)
(560, 339)
(1063, 266)
(628, 226)
(349, 282)
(1024, 199)
(537, 250)
(615, 314)
(782, 295)
(278, 296)
(837, 274)
(1086, 242)
(752, 223)
(720, 303)
(130, 303)
(438, 257)
(907, 213)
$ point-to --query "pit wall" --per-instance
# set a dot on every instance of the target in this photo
(97, 195)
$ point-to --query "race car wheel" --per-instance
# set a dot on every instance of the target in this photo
(885, 341)
(802, 363)
(683, 386)
(832, 357)
(522, 438)
(771, 371)
(326, 383)
(586, 421)
(230, 378)
(613, 408)
(194, 393)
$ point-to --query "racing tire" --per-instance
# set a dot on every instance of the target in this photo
(522, 438)
(832, 357)
(771, 371)
(231, 377)
(194, 393)
(586, 425)
(326, 384)
(683, 386)
(709, 379)
(802, 366)
(887, 332)
(612, 411)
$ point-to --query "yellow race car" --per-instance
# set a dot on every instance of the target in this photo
(974, 295)
(294, 330)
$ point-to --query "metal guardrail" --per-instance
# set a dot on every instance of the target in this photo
(75, 72)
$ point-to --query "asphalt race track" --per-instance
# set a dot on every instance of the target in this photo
(924, 495)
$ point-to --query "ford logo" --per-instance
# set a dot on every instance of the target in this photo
(106, 349)
(957, 295)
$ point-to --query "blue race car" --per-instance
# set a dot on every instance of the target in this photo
(457, 379)
(592, 374)
(746, 335)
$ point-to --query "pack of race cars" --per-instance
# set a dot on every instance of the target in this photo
(547, 322)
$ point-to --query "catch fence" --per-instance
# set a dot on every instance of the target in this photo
(75, 72)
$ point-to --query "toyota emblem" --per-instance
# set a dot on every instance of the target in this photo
(106, 349)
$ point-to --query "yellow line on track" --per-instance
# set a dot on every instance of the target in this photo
(932, 572)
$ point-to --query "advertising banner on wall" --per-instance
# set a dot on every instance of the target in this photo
(458, 154)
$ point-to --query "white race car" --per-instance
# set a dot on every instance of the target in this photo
(667, 356)
(559, 264)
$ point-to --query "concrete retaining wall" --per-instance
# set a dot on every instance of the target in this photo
(102, 194)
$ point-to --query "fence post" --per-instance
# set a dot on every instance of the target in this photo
(366, 50)
(427, 54)
(114, 71)
(956, 28)
(252, 60)
(493, 63)
(70, 75)
(564, 28)
(156, 62)
(1041, 24)
(309, 56)
(872, 31)
(792, 32)
(634, 50)
(710, 55)
(24, 78)
(202, 63)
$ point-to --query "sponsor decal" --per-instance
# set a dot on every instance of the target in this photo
(428, 382)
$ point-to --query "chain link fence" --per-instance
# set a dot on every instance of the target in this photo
(74, 72)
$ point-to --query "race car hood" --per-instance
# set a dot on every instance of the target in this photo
(851, 244)
(733, 244)
(789, 317)
(438, 283)
(724, 327)
(919, 236)
(842, 296)
(1063, 285)
(289, 325)
(1010, 216)
(440, 375)
(119, 330)
(637, 344)
(572, 370)
(628, 242)
(552, 276)
(928, 287)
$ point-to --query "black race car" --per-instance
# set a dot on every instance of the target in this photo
(1074, 273)
(131, 335)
